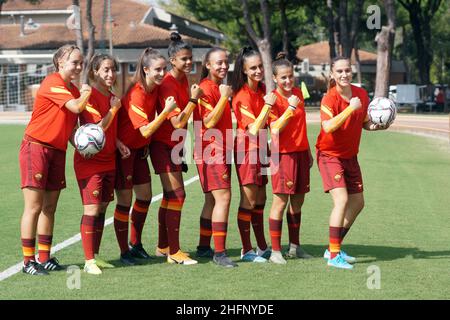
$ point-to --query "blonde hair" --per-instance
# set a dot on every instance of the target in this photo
(61, 52)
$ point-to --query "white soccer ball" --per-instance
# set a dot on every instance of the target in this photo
(89, 139)
(382, 111)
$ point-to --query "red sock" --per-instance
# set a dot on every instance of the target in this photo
(163, 242)
(138, 216)
(219, 233)
(205, 232)
(28, 249)
(88, 231)
(173, 216)
(335, 241)
(275, 227)
(44, 247)
(258, 226)
(121, 216)
(294, 221)
(243, 219)
(100, 225)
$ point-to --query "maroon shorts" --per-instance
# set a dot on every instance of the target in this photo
(133, 170)
(291, 174)
(250, 171)
(97, 188)
(340, 173)
(161, 156)
(214, 176)
(42, 166)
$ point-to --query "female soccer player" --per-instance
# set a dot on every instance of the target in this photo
(291, 160)
(343, 114)
(212, 123)
(251, 108)
(136, 126)
(164, 152)
(42, 155)
(96, 175)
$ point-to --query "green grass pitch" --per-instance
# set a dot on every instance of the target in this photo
(403, 231)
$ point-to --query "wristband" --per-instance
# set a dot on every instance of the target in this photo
(195, 101)
(292, 107)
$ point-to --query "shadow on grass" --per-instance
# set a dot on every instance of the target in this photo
(365, 253)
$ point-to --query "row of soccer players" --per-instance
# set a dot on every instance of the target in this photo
(141, 124)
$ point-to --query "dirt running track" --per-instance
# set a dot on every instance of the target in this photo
(437, 126)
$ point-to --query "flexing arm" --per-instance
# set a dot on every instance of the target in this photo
(336, 122)
(150, 128)
(213, 117)
(262, 118)
(181, 120)
(107, 120)
(78, 105)
(281, 123)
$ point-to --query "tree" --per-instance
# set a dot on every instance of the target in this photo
(91, 40)
(263, 41)
(421, 14)
(385, 42)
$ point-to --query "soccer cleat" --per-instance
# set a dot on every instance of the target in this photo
(251, 256)
(204, 252)
(91, 267)
(346, 257)
(103, 264)
(180, 258)
(296, 251)
(263, 253)
(34, 268)
(277, 257)
(162, 252)
(221, 259)
(52, 265)
(339, 262)
(137, 251)
(127, 259)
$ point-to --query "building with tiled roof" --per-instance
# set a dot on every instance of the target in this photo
(314, 68)
(30, 34)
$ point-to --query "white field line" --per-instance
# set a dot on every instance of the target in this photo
(72, 240)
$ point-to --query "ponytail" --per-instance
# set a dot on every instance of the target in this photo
(239, 78)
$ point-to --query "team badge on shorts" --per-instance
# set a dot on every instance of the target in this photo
(337, 177)
(95, 193)
(38, 176)
(289, 184)
(225, 176)
(129, 177)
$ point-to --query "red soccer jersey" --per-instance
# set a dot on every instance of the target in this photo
(96, 109)
(293, 138)
(138, 109)
(247, 105)
(180, 91)
(344, 142)
(207, 103)
(51, 122)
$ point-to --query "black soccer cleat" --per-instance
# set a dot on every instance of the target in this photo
(221, 259)
(34, 268)
(127, 259)
(204, 252)
(52, 265)
(137, 251)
